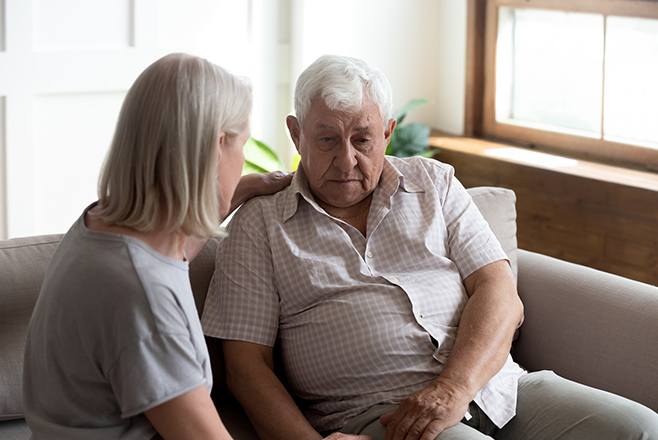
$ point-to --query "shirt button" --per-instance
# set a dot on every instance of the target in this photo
(395, 280)
(420, 316)
(369, 255)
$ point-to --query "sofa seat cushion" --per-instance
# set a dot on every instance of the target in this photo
(14, 430)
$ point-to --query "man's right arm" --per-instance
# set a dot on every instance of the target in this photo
(272, 411)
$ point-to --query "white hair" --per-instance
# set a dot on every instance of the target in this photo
(342, 83)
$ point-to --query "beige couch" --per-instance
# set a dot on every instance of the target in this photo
(587, 325)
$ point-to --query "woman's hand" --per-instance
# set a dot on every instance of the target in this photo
(256, 184)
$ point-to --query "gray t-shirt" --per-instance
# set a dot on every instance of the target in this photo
(115, 332)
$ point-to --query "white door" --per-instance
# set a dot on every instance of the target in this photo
(65, 66)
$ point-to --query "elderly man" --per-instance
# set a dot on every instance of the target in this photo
(392, 302)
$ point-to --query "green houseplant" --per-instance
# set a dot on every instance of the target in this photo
(410, 139)
(259, 158)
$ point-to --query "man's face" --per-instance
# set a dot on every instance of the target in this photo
(342, 153)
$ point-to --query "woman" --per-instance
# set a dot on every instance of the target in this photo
(115, 348)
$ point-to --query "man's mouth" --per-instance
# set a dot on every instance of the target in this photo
(346, 180)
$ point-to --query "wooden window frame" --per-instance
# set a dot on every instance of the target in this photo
(480, 118)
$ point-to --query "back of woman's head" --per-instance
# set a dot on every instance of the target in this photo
(342, 82)
(161, 170)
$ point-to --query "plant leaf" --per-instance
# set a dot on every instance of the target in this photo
(409, 140)
(259, 158)
(251, 168)
(295, 162)
(400, 114)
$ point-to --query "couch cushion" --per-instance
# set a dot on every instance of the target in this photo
(498, 206)
(23, 263)
(589, 326)
(201, 271)
(15, 430)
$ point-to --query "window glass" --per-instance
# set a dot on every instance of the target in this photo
(631, 81)
(549, 70)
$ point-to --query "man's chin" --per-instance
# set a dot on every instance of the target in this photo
(344, 200)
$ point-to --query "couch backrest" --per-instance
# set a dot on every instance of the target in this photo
(498, 207)
(23, 263)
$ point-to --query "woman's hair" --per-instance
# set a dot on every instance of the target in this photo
(342, 82)
(161, 170)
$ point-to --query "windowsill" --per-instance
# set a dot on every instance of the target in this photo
(558, 164)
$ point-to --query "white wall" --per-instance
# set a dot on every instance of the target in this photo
(420, 45)
(64, 70)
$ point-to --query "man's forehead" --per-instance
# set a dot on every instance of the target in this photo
(360, 128)
(339, 120)
(368, 110)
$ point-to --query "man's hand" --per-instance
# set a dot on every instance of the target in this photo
(427, 413)
(483, 341)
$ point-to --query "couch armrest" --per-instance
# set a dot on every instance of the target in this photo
(589, 326)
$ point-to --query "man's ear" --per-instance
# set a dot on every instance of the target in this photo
(388, 131)
(294, 129)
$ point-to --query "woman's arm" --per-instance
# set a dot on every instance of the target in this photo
(257, 184)
(190, 415)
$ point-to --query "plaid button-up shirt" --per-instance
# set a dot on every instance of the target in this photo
(355, 316)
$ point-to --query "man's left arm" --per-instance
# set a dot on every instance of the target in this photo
(484, 337)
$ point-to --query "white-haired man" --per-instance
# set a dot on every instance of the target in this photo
(393, 304)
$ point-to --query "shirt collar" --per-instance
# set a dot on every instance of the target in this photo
(392, 179)
(298, 188)
(390, 182)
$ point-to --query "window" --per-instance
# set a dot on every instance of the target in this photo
(573, 75)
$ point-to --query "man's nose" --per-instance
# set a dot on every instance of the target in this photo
(345, 159)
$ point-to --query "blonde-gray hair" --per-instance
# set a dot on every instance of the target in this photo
(161, 170)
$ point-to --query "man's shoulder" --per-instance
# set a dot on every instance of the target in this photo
(263, 208)
(268, 200)
(415, 162)
(421, 170)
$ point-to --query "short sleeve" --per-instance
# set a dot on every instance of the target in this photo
(155, 370)
(242, 302)
(472, 245)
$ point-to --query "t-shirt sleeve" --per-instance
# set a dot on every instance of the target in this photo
(153, 371)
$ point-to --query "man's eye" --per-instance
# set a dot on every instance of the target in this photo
(326, 143)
